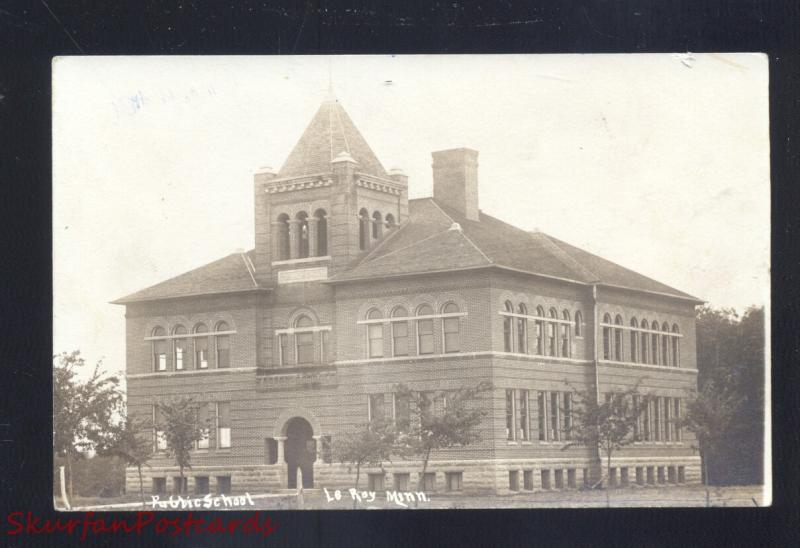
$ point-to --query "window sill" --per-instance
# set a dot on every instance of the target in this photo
(511, 443)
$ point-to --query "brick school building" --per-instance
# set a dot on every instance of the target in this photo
(353, 288)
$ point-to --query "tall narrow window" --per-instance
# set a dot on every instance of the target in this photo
(201, 347)
(645, 342)
(390, 222)
(668, 419)
(159, 439)
(322, 232)
(363, 229)
(377, 225)
(324, 346)
(425, 330)
(522, 330)
(302, 235)
(618, 338)
(540, 330)
(606, 337)
(677, 414)
(648, 419)
(159, 350)
(451, 329)
(555, 415)
(566, 327)
(665, 357)
(282, 235)
(637, 426)
(567, 415)
(179, 348)
(676, 346)
(523, 420)
(510, 415)
(578, 324)
(402, 412)
(657, 418)
(552, 334)
(223, 425)
(508, 322)
(400, 332)
(377, 408)
(304, 340)
(654, 353)
(223, 344)
(634, 357)
(203, 422)
(541, 415)
(375, 335)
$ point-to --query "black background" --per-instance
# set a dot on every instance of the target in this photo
(32, 32)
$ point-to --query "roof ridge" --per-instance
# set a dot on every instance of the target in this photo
(473, 244)
(250, 267)
(382, 243)
(564, 257)
(409, 245)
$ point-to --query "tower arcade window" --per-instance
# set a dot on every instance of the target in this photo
(283, 236)
(302, 235)
(363, 229)
(223, 345)
(377, 225)
(390, 222)
(322, 232)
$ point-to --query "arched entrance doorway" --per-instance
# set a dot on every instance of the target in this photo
(300, 451)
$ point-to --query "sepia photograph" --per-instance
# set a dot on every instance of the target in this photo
(426, 282)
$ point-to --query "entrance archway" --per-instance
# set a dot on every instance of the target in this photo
(300, 451)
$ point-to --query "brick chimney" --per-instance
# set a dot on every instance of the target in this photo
(455, 180)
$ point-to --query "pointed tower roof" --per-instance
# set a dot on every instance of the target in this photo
(330, 133)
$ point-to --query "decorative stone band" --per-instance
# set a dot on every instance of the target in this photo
(302, 261)
(536, 318)
(290, 185)
(190, 372)
(190, 335)
(634, 365)
(410, 318)
(312, 329)
(379, 186)
(641, 330)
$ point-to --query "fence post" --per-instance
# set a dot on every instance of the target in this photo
(63, 487)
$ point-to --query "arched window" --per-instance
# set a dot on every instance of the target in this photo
(302, 235)
(565, 334)
(400, 332)
(552, 334)
(390, 222)
(522, 330)
(540, 331)
(578, 324)
(645, 342)
(508, 322)
(159, 350)
(363, 229)
(375, 334)
(606, 337)
(304, 340)
(283, 236)
(676, 346)
(322, 232)
(425, 330)
(654, 339)
(618, 338)
(377, 225)
(451, 328)
(223, 345)
(179, 348)
(201, 347)
(665, 357)
(634, 341)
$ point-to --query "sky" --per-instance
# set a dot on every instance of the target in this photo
(659, 162)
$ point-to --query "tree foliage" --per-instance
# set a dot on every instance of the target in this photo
(84, 411)
(132, 442)
(181, 431)
(607, 425)
(727, 414)
(368, 445)
(455, 423)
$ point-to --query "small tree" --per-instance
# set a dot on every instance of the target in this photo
(181, 431)
(131, 441)
(455, 424)
(84, 412)
(370, 444)
(708, 416)
(606, 426)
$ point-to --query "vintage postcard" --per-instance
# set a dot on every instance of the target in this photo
(423, 282)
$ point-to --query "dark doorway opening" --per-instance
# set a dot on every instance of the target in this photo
(300, 452)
